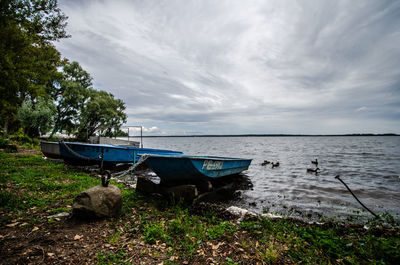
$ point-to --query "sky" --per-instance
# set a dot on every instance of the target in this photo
(243, 67)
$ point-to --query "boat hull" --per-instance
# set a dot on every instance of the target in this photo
(50, 149)
(195, 168)
(90, 154)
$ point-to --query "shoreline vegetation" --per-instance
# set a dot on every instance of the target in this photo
(151, 230)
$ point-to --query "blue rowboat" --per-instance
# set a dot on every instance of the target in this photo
(183, 168)
(91, 154)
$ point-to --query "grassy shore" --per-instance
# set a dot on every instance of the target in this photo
(153, 231)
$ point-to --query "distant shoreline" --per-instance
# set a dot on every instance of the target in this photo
(269, 135)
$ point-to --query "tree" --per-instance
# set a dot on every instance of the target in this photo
(70, 92)
(82, 110)
(37, 117)
(102, 113)
(28, 60)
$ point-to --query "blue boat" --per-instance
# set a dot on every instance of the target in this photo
(183, 168)
(92, 154)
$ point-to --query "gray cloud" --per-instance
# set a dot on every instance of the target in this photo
(244, 67)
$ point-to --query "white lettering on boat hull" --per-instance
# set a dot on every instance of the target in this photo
(212, 165)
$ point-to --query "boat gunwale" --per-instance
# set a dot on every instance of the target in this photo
(122, 147)
(216, 158)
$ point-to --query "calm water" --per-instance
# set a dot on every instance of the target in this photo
(370, 166)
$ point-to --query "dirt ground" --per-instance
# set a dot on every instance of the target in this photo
(68, 241)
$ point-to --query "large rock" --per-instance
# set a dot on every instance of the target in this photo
(98, 202)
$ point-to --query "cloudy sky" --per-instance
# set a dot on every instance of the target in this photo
(235, 67)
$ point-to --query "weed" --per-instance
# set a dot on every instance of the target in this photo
(220, 230)
(230, 261)
(111, 257)
(114, 238)
(153, 232)
(270, 252)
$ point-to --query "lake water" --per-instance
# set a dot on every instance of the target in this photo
(369, 165)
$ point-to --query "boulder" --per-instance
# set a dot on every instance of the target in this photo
(98, 202)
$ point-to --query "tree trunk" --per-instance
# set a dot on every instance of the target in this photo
(6, 127)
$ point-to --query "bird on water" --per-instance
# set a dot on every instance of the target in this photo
(266, 162)
(275, 164)
(313, 170)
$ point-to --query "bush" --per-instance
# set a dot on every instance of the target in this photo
(21, 139)
(4, 140)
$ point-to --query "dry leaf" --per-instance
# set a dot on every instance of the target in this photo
(12, 224)
(23, 224)
(77, 237)
(214, 247)
(35, 229)
(285, 248)
(50, 254)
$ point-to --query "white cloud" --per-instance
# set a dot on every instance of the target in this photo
(243, 66)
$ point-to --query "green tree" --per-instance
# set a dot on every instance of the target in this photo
(82, 110)
(28, 59)
(71, 92)
(37, 117)
(102, 113)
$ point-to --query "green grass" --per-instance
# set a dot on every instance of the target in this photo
(316, 244)
(28, 181)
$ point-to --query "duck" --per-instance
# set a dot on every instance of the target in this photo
(275, 164)
(266, 162)
(315, 162)
(313, 170)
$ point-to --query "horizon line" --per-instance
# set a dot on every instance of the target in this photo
(271, 135)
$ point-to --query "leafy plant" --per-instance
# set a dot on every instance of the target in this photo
(220, 230)
(153, 232)
(111, 257)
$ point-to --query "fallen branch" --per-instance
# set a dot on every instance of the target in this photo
(338, 177)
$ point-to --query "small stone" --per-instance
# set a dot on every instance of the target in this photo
(64, 214)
